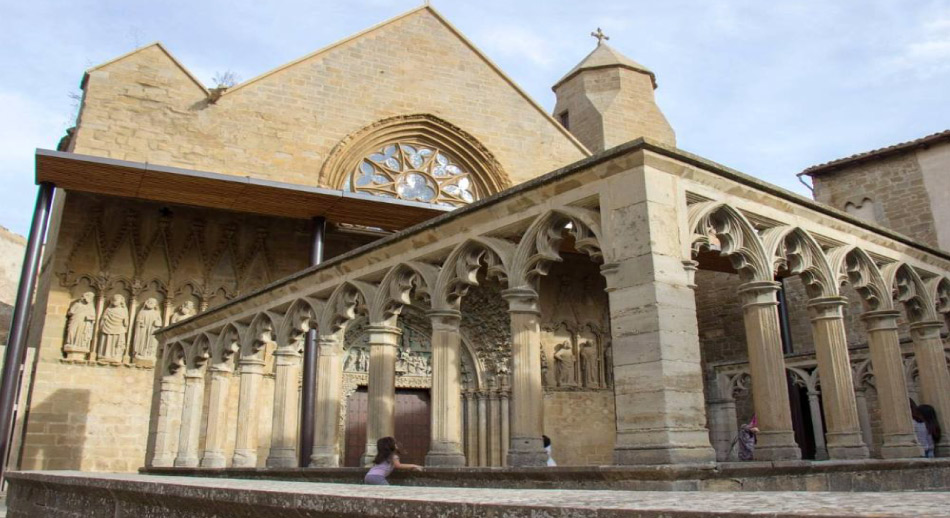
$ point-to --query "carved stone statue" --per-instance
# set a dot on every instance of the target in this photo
(544, 368)
(608, 364)
(80, 320)
(589, 365)
(148, 320)
(349, 365)
(362, 361)
(564, 360)
(113, 328)
(186, 310)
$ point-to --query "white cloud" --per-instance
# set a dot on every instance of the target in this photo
(517, 41)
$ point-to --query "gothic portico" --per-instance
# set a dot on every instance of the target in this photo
(647, 252)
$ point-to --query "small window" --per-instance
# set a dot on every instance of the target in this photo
(564, 119)
(864, 210)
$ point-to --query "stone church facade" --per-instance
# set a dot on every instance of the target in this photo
(633, 306)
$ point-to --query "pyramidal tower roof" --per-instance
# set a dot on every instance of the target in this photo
(605, 56)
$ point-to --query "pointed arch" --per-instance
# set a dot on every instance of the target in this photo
(910, 291)
(227, 344)
(259, 334)
(853, 265)
(340, 310)
(460, 270)
(173, 359)
(397, 287)
(300, 317)
(198, 352)
(487, 174)
(939, 292)
(540, 245)
(795, 249)
(738, 239)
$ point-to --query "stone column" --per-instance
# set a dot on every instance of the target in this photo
(190, 419)
(494, 410)
(817, 427)
(887, 362)
(383, 342)
(934, 376)
(837, 385)
(482, 428)
(776, 440)
(326, 440)
(505, 426)
(860, 396)
(283, 446)
(658, 379)
(527, 399)
(216, 433)
(167, 423)
(446, 414)
(723, 426)
(245, 444)
(471, 429)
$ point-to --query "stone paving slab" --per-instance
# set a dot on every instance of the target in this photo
(65, 494)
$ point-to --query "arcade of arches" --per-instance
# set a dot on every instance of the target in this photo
(628, 307)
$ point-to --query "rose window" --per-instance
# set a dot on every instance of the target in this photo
(413, 172)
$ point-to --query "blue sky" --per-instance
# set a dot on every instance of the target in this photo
(767, 88)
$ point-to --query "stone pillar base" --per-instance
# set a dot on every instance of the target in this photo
(76, 356)
(846, 445)
(244, 459)
(664, 447)
(282, 458)
(778, 445)
(214, 460)
(526, 452)
(901, 446)
(166, 461)
(324, 460)
(186, 462)
(447, 459)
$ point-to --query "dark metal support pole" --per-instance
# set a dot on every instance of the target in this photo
(308, 397)
(783, 320)
(19, 327)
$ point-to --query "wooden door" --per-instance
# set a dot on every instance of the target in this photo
(356, 411)
(412, 425)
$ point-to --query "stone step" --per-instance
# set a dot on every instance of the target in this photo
(64, 494)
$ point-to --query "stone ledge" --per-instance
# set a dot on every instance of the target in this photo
(65, 494)
(865, 475)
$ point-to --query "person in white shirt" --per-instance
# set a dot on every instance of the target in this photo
(547, 449)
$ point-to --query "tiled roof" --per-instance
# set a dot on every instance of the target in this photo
(876, 154)
(606, 56)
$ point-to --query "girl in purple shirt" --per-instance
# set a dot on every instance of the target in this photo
(387, 459)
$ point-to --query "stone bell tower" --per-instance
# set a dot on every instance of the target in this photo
(607, 99)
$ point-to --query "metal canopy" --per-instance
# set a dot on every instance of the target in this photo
(175, 185)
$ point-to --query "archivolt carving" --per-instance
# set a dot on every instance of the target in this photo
(460, 270)
(939, 290)
(734, 236)
(487, 173)
(855, 266)
(911, 291)
(794, 249)
(540, 245)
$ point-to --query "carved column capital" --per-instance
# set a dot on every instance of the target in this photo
(690, 267)
(926, 330)
(826, 307)
(522, 300)
(881, 320)
(445, 319)
(759, 293)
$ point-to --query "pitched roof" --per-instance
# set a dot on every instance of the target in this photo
(877, 154)
(160, 47)
(605, 56)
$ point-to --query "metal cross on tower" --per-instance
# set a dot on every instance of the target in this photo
(600, 36)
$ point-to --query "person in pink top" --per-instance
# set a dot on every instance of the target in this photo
(387, 459)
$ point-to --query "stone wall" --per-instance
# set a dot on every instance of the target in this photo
(11, 260)
(894, 188)
(581, 426)
(283, 124)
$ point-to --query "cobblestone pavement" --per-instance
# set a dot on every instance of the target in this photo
(375, 500)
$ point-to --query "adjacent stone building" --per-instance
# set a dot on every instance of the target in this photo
(11, 259)
(618, 303)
